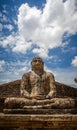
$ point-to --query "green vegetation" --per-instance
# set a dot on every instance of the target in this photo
(75, 80)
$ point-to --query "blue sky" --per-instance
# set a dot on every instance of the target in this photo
(44, 28)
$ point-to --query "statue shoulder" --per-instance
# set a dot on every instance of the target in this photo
(49, 74)
(26, 75)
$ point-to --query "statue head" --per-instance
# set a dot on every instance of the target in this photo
(37, 64)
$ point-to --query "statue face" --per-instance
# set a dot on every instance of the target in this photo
(37, 63)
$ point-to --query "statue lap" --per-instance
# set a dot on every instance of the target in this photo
(22, 103)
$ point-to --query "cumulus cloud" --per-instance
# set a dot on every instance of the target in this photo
(74, 61)
(18, 66)
(41, 52)
(46, 27)
(13, 70)
(43, 28)
(9, 40)
(21, 45)
(9, 27)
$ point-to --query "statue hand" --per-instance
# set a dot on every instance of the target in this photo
(28, 97)
(38, 97)
(47, 97)
(52, 94)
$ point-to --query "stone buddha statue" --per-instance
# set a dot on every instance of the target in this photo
(38, 84)
(38, 90)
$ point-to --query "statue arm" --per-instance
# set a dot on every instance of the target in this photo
(53, 91)
(24, 86)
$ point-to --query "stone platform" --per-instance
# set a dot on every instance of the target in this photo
(41, 122)
(40, 111)
(65, 119)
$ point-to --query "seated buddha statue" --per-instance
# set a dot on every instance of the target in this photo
(38, 90)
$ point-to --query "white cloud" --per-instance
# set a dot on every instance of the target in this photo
(16, 42)
(9, 40)
(74, 61)
(18, 65)
(2, 63)
(15, 21)
(69, 49)
(44, 28)
(41, 52)
(28, 21)
(21, 46)
(9, 27)
(13, 70)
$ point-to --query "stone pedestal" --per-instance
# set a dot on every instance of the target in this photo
(61, 119)
(40, 111)
(38, 122)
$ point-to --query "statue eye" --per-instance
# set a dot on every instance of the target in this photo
(35, 61)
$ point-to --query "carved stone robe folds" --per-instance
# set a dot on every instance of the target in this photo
(34, 85)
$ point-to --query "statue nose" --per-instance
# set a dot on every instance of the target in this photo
(37, 62)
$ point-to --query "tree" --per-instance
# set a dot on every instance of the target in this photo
(75, 79)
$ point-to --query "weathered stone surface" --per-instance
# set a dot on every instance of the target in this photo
(40, 111)
(9, 90)
(60, 103)
(56, 122)
(12, 89)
